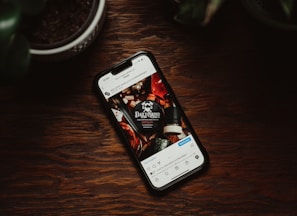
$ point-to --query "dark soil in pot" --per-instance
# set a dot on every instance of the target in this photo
(60, 22)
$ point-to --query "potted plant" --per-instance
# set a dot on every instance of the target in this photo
(195, 12)
(281, 14)
(278, 14)
(45, 30)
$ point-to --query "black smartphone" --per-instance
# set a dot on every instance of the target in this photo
(150, 121)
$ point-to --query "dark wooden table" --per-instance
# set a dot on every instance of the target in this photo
(59, 154)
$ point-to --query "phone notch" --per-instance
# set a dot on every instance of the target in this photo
(122, 66)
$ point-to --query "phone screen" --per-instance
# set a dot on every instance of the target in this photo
(152, 122)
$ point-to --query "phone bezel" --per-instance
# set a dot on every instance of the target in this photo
(118, 68)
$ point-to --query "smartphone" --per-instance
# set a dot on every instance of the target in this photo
(150, 121)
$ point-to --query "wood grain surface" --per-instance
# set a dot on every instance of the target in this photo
(60, 155)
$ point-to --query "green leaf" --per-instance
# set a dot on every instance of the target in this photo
(287, 6)
(9, 20)
(15, 63)
(191, 12)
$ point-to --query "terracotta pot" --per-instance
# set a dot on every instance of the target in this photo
(76, 43)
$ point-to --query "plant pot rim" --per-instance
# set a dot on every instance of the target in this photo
(99, 16)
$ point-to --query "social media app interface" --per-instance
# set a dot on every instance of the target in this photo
(151, 121)
(173, 162)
